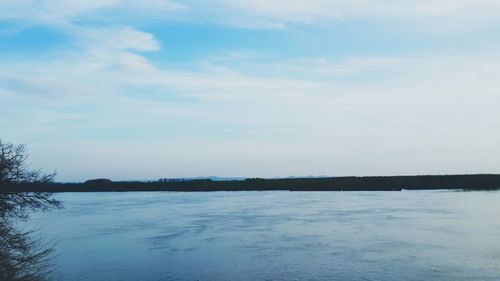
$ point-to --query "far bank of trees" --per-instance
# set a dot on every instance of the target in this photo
(396, 183)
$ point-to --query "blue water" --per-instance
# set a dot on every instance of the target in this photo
(386, 236)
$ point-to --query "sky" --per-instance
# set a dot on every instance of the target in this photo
(153, 89)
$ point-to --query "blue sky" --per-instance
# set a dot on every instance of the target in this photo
(158, 88)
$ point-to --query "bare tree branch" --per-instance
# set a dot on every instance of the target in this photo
(21, 257)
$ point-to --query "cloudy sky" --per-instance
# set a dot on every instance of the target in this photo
(157, 88)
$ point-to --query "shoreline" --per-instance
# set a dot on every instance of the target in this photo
(338, 184)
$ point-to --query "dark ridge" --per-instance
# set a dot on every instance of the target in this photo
(390, 183)
(98, 182)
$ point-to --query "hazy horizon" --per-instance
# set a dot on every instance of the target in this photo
(165, 89)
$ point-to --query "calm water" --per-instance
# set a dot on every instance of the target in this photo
(418, 235)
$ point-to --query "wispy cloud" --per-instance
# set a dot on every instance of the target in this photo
(256, 13)
(105, 94)
(434, 12)
(59, 12)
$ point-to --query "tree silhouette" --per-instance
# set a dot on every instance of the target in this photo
(22, 258)
(14, 172)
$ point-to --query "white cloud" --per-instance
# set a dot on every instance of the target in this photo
(427, 109)
(410, 84)
(49, 11)
(122, 38)
(57, 12)
(324, 11)
(260, 13)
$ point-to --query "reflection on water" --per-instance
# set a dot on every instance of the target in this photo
(418, 235)
(22, 258)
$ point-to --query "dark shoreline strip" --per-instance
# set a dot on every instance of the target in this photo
(393, 183)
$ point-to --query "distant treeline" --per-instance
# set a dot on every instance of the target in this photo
(393, 183)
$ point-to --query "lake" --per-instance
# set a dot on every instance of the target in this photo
(386, 236)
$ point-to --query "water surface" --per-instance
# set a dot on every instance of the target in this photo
(386, 236)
